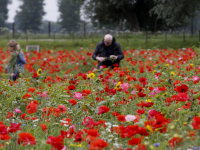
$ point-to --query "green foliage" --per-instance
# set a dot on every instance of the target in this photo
(3, 11)
(70, 14)
(175, 12)
(134, 15)
(30, 15)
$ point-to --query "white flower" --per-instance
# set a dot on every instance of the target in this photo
(63, 121)
(130, 117)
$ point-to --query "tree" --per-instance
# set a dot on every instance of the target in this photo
(176, 12)
(134, 13)
(30, 15)
(3, 11)
(69, 14)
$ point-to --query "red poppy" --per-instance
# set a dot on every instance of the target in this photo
(14, 127)
(84, 76)
(27, 95)
(103, 109)
(98, 144)
(93, 132)
(72, 101)
(44, 127)
(196, 122)
(31, 108)
(121, 118)
(55, 142)
(4, 137)
(62, 109)
(27, 138)
(71, 87)
(182, 89)
(31, 90)
(10, 114)
(175, 141)
(134, 141)
(140, 112)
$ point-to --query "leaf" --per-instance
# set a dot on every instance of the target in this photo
(196, 95)
(102, 103)
(163, 145)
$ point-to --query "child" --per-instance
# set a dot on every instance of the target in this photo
(17, 61)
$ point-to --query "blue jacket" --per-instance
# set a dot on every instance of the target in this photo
(19, 64)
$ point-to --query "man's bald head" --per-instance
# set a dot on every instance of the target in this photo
(108, 39)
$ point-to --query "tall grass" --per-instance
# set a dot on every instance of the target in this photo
(127, 41)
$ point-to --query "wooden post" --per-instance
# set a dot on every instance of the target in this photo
(54, 36)
(192, 26)
(156, 27)
(13, 28)
(73, 36)
(26, 35)
(199, 35)
(8, 38)
(49, 29)
(120, 25)
(92, 37)
(183, 36)
(147, 35)
(84, 28)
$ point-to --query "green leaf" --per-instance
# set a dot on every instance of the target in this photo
(196, 95)
(102, 103)
(163, 145)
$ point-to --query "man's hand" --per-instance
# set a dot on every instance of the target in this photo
(12, 74)
(113, 56)
(17, 52)
(101, 59)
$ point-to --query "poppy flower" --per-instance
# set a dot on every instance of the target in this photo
(103, 109)
(78, 96)
(14, 127)
(31, 108)
(71, 87)
(175, 141)
(44, 127)
(182, 89)
(134, 141)
(98, 144)
(27, 138)
(121, 118)
(196, 122)
(72, 101)
(62, 108)
(55, 142)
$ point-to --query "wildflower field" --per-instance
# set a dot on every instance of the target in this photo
(62, 102)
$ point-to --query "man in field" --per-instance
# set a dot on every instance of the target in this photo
(108, 53)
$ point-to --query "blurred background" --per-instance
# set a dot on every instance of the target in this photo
(76, 19)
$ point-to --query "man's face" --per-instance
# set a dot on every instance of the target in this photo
(107, 42)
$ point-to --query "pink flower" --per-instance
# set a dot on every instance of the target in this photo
(130, 117)
(154, 92)
(44, 94)
(182, 97)
(195, 78)
(17, 110)
(78, 96)
(124, 86)
(133, 92)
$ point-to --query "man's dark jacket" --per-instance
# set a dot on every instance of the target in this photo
(101, 51)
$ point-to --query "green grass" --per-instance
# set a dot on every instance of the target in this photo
(134, 41)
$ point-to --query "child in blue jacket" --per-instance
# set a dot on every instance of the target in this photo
(17, 61)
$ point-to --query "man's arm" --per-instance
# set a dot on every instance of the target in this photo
(120, 56)
(96, 52)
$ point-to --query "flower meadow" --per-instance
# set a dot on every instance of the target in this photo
(63, 102)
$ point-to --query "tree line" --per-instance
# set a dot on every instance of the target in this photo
(133, 15)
